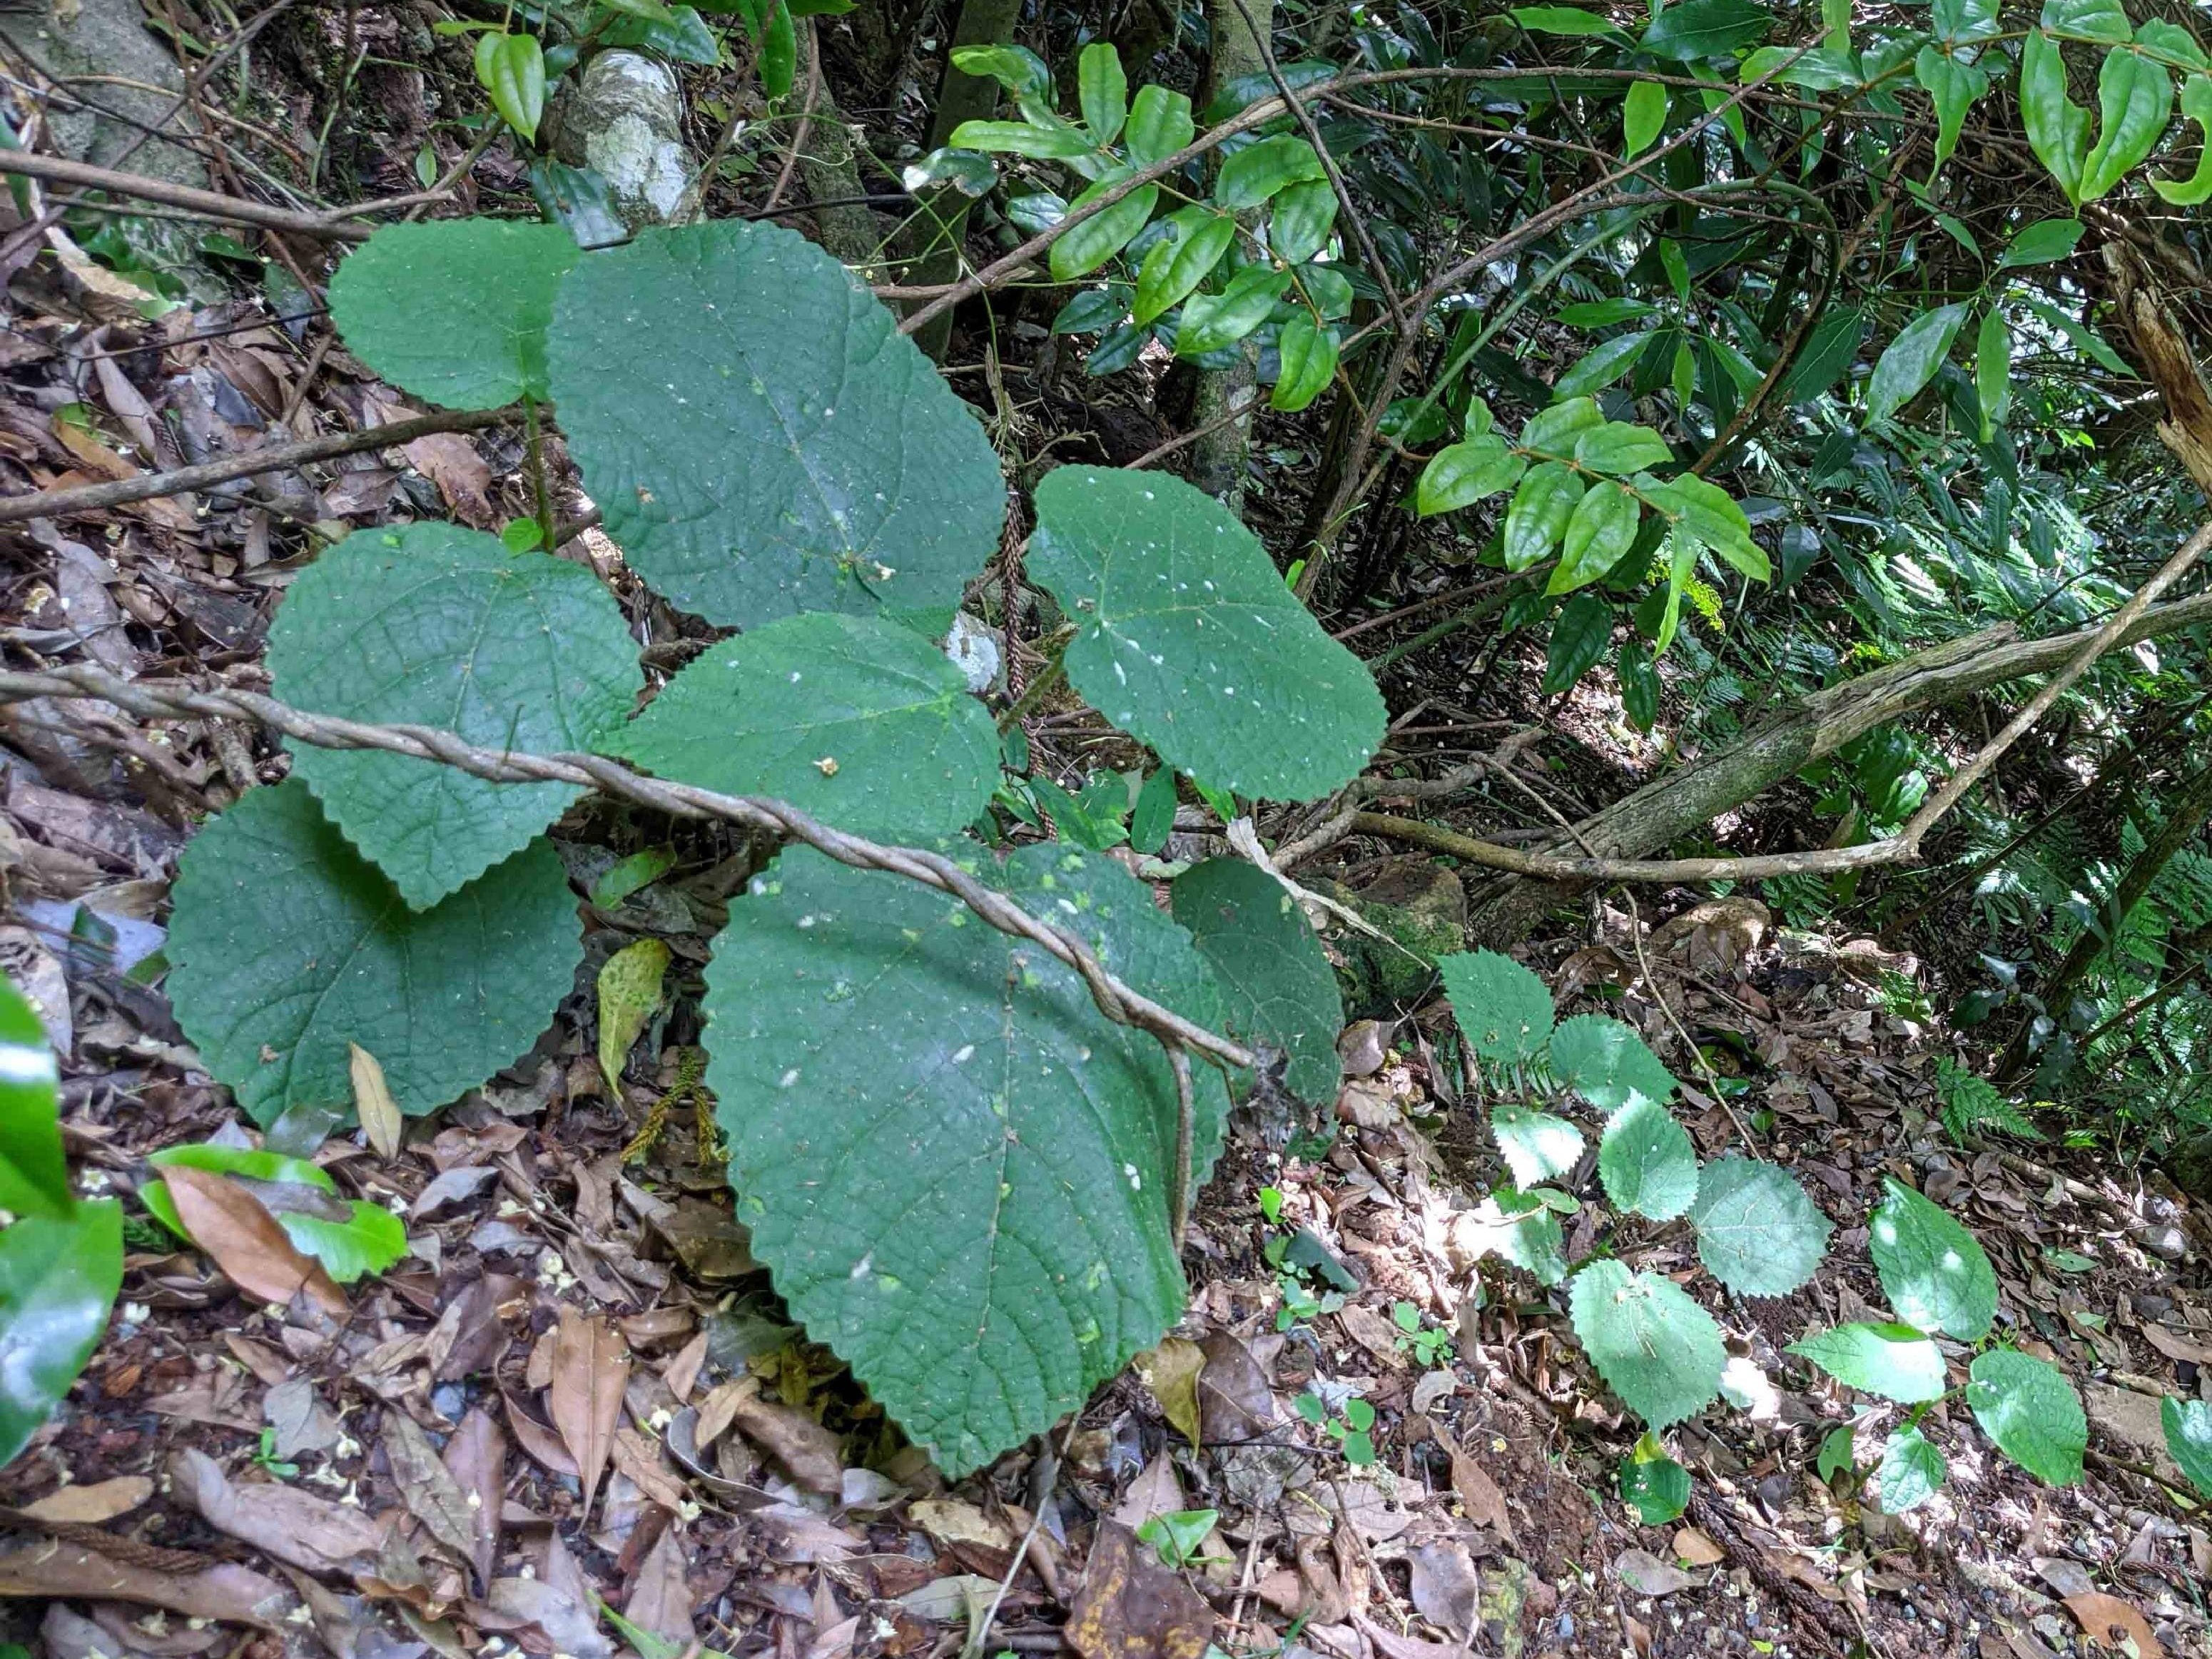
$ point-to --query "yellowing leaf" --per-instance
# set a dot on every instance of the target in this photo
(629, 990)
(372, 1101)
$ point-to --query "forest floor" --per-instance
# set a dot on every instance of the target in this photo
(408, 1475)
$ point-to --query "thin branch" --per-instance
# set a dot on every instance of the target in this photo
(276, 457)
(1118, 1001)
(57, 170)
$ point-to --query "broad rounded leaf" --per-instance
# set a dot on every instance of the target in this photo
(433, 625)
(955, 1168)
(1646, 1161)
(1462, 474)
(1911, 1472)
(1655, 1347)
(455, 310)
(1180, 261)
(1552, 431)
(34, 1175)
(1894, 1361)
(864, 480)
(2102, 20)
(59, 1276)
(1159, 125)
(1522, 1229)
(1621, 446)
(1190, 642)
(2188, 1424)
(1099, 238)
(1757, 1232)
(1275, 980)
(1539, 515)
(1211, 321)
(1694, 29)
(1503, 1010)
(288, 945)
(1604, 1061)
(1936, 1275)
(857, 720)
(1535, 1145)
(1299, 223)
(2029, 1408)
(1262, 168)
(2042, 242)
(1308, 353)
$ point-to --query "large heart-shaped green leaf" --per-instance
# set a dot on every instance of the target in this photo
(59, 1276)
(1935, 1272)
(1274, 977)
(1604, 1061)
(34, 1177)
(288, 945)
(957, 1169)
(1657, 1349)
(761, 438)
(454, 310)
(432, 625)
(858, 720)
(1646, 1161)
(1757, 1232)
(1189, 639)
(1503, 1010)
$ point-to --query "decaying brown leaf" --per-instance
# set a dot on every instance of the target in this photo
(1171, 1372)
(373, 1102)
(1698, 1550)
(2108, 1620)
(660, 1596)
(590, 1369)
(246, 1242)
(431, 1493)
(89, 1505)
(476, 1457)
(810, 1453)
(1478, 1494)
(1130, 1607)
(220, 1590)
(310, 1532)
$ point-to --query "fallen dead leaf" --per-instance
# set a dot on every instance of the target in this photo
(428, 1486)
(809, 1452)
(450, 461)
(233, 1595)
(103, 1500)
(1235, 1403)
(1156, 1491)
(660, 1596)
(2109, 1620)
(1130, 1607)
(590, 1369)
(310, 1532)
(1478, 1495)
(373, 1102)
(475, 1456)
(952, 1521)
(1446, 1591)
(246, 1242)
(1171, 1372)
(1698, 1550)
(302, 1422)
(1647, 1575)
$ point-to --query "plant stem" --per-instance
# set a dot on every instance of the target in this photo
(1038, 689)
(534, 436)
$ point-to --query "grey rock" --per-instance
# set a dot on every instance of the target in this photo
(623, 119)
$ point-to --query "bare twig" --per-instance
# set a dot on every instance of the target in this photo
(1120, 1002)
(57, 170)
(805, 129)
(276, 457)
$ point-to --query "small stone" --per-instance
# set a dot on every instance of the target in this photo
(624, 120)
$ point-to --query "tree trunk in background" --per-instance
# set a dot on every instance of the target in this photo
(931, 249)
(1218, 460)
(1690, 797)
(2183, 822)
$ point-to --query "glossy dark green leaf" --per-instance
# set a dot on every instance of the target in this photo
(1466, 473)
(2188, 1426)
(1091, 243)
(1159, 125)
(2102, 20)
(2134, 98)
(1600, 530)
(779, 53)
(2057, 127)
(1618, 446)
(2043, 242)
(1579, 637)
(1657, 1488)
(1993, 370)
(58, 1277)
(1639, 685)
(1299, 223)
(33, 1175)
(1308, 353)
(1604, 364)
(1831, 347)
(1211, 321)
(1103, 90)
(1258, 171)
(1953, 86)
(1692, 30)
(1911, 360)
(1539, 514)
(1564, 20)
(1016, 69)
(1552, 431)
(1643, 114)
(1020, 138)
(1179, 263)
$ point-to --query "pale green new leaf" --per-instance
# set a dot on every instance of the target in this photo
(1911, 360)
(1539, 514)
(2101, 20)
(429, 624)
(1189, 639)
(864, 481)
(2029, 1408)
(1953, 86)
(1103, 90)
(1894, 1361)
(2134, 97)
(1655, 1347)
(856, 721)
(955, 1168)
(1911, 1472)
(2057, 127)
(1563, 20)
(1621, 447)
(2197, 105)
(1276, 984)
(1646, 1161)
(288, 945)
(1962, 23)
(1180, 261)
(1643, 113)
(1758, 1233)
(456, 310)
(1503, 1010)
(1551, 432)
(1604, 1061)
(1993, 371)
(2188, 1426)
(1463, 473)
(1936, 1273)
(1535, 1145)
